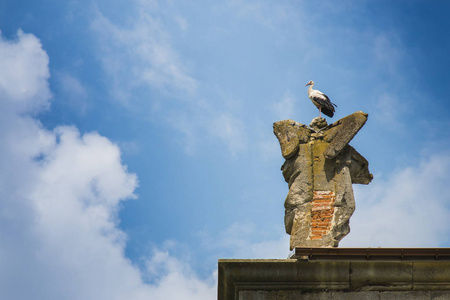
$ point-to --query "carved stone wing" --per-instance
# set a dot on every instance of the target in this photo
(340, 133)
(359, 168)
(290, 134)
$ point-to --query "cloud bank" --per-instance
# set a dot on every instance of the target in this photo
(60, 192)
(408, 209)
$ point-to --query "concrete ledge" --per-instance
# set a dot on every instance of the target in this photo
(333, 279)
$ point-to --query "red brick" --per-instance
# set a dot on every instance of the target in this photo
(323, 207)
(323, 193)
(322, 223)
(322, 227)
(323, 200)
(321, 214)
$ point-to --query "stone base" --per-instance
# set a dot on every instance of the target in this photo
(380, 276)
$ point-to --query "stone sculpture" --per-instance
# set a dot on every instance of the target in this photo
(320, 168)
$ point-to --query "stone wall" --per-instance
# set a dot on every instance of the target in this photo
(333, 279)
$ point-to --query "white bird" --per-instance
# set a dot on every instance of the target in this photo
(320, 100)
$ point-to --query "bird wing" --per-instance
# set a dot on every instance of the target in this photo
(328, 99)
(324, 102)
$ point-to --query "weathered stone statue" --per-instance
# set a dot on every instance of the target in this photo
(320, 168)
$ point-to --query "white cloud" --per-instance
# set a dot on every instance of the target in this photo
(74, 91)
(59, 197)
(245, 240)
(240, 239)
(269, 149)
(139, 58)
(285, 108)
(140, 55)
(182, 22)
(267, 14)
(410, 209)
(24, 73)
(388, 53)
(72, 85)
(388, 111)
(176, 280)
(230, 130)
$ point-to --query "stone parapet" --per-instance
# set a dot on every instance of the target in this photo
(268, 279)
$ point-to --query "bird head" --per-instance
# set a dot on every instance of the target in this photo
(310, 83)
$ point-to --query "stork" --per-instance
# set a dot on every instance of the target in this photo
(320, 100)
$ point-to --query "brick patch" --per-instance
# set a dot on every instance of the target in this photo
(321, 214)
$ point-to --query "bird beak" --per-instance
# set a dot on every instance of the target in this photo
(308, 83)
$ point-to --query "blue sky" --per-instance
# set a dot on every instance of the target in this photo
(137, 144)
